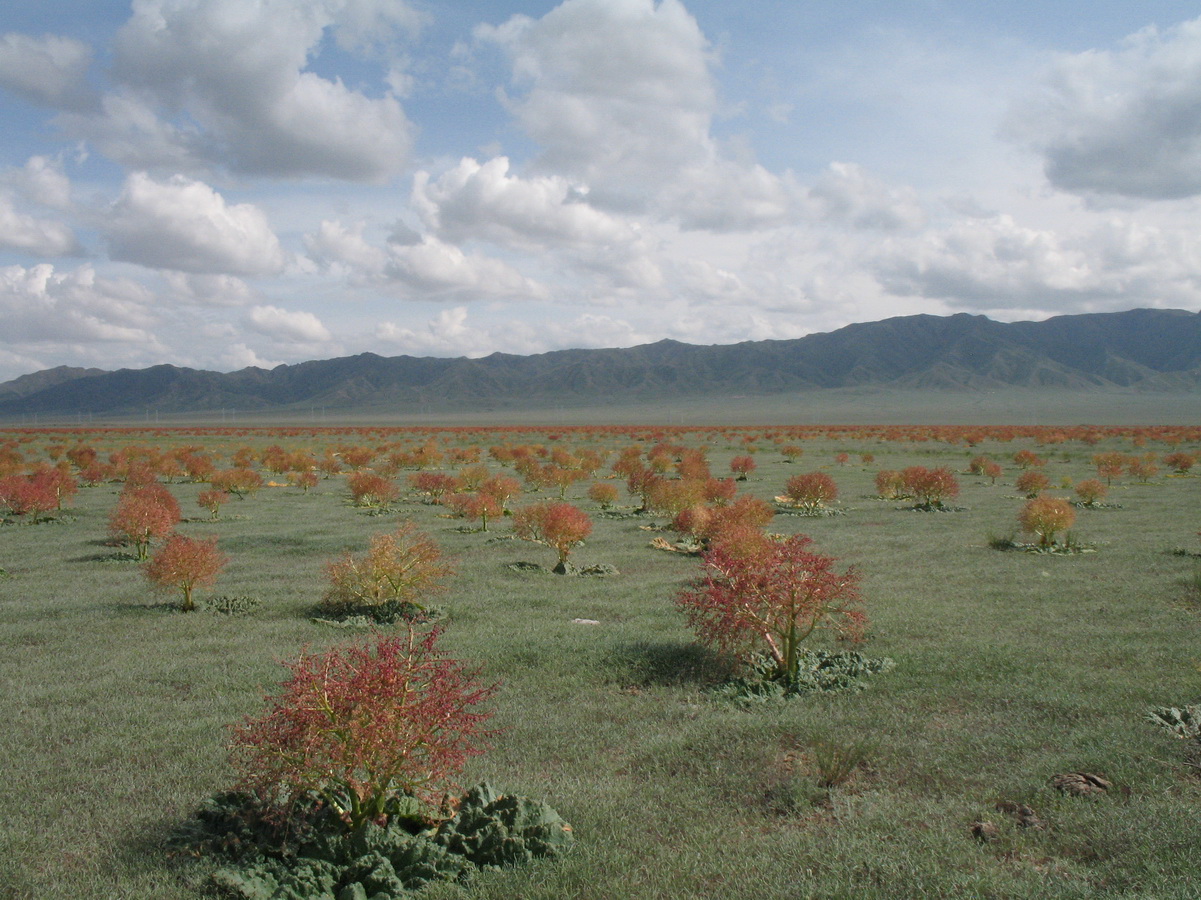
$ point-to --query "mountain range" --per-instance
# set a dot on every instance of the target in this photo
(1144, 350)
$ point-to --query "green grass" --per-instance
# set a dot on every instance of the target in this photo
(1010, 668)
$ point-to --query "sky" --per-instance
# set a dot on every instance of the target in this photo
(228, 183)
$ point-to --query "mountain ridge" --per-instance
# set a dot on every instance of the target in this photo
(1139, 350)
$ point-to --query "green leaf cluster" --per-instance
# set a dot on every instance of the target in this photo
(816, 671)
(311, 857)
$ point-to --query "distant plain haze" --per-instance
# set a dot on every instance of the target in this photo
(219, 184)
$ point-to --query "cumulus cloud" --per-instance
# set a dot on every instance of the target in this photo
(39, 237)
(436, 269)
(42, 181)
(222, 83)
(484, 201)
(186, 225)
(39, 304)
(619, 95)
(285, 325)
(995, 264)
(48, 70)
(208, 290)
(847, 194)
(1121, 121)
(336, 244)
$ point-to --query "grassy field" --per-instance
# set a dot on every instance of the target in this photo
(1011, 668)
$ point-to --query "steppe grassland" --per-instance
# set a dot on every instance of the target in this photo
(1011, 668)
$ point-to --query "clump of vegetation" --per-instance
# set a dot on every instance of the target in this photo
(811, 492)
(1046, 517)
(346, 783)
(393, 580)
(768, 597)
(144, 514)
(184, 564)
(560, 526)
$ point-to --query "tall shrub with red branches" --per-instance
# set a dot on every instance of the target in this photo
(142, 515)
(560, 526)
(184, 564)
(771, 596)
(363, 726)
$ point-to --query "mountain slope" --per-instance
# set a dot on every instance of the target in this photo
(1148, 350)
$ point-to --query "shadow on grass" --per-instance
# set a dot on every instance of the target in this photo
(647, 663)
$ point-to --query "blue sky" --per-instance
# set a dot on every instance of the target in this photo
(225, 183)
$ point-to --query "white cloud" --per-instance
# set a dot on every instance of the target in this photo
(847, 194)
(993, 265)
(435, 269)
(483, 201)
(335, 243)
(49, 70)
(186, 225)
(42, 181)
(1121, 121)
(238, 71)
(620, 96)
(40, 237)
(40, 305)
(284, 325)
(208, 290)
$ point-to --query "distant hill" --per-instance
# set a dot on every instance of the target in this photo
(1140, 350)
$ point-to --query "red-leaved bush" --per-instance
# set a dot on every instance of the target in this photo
(772, 595)
(363, 725)
(560, 526)
(811, 491)
(930, 487)
(184, 564)
(144, 514)
(1045, 517)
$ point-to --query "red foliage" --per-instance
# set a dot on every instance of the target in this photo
(811, 491)
(370, 489)
(1046, 517)
(142, 515)
(435, 485)
(184, 564)
(560, 526)
(212, 501)
(1032, 482)
(25, 495)
(603, 493)
(742, 466)
(772, 597)
(1090, 491)
(930, 487)
(1180, 462)
(364, 724)
(1026, 459)
(476, 507)
(239, 481)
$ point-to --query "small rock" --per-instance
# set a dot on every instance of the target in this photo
(985, 832)
(584, 622)
(1028, 819)
(1080, 784)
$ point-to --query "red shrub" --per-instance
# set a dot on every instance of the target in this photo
(1046, 517)
(142, 515)
(370, 489)
(184, 564)
(772, 598)
(560, 526)
(811, 491)
(363, 725)
(930, 487)
(1032, 482)
(742, 466)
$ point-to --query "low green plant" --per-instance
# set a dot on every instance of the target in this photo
(816, 671)
(313, 858)
(836, 761)
(1182, 721)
